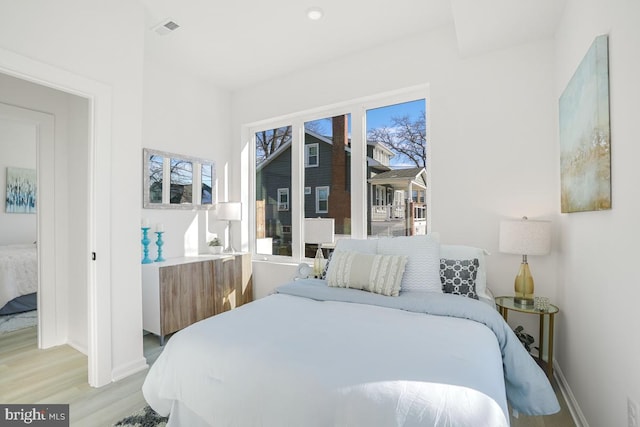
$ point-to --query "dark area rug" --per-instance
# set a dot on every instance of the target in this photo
(145, 417)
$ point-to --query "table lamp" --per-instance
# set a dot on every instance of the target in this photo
(229, 211)
(318, 231)
(525, 237)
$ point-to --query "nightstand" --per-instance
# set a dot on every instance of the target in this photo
(506, 303)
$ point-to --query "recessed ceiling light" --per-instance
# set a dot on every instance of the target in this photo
(315, 13)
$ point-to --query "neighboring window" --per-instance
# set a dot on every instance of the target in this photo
(322, 199)
(307, 191)
(283, 199)
(380, 195)
(311, 156)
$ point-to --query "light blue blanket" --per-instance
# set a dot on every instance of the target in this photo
(528, 389)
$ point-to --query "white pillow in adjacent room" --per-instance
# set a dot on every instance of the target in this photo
(422, 272)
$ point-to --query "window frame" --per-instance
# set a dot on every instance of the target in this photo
(358, 109)
(307, 148)
(281, 192)
(318, 189)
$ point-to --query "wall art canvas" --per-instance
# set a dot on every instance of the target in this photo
(585, 154)
(21, 190)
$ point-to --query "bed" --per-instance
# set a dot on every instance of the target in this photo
(319, 354)
(18, 278)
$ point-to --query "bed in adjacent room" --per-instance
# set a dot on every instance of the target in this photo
(370, 344)
(18, 278)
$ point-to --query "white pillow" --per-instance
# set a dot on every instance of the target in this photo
(367, 246)
(469, 252)
(380, 274)
(422, 272)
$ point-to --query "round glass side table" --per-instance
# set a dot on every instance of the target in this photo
(507, 303)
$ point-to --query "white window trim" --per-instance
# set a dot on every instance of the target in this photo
(283, 207)
(357, 108)
(307, 147)
(318, 198)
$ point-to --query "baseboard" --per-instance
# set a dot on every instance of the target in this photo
(81, 348)
(572, 404)
(129, 369)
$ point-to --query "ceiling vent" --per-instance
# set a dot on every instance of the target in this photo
(165, 27)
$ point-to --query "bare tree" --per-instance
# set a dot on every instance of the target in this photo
(406, 137)
(268, 141)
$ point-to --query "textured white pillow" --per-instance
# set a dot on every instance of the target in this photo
(462, 252)
(367, 246)
(380, 274)
(422, 272)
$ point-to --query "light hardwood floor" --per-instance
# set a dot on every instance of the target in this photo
(59, 375)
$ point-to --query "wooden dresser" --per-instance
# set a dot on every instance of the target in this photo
(182, 291)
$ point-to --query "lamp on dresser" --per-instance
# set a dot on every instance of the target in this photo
(525, 237)
(318, 231)
(228, 211)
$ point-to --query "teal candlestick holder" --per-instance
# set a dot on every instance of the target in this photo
(145, 245)
(159, 244)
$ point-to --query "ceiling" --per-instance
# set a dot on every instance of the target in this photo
(242, 42)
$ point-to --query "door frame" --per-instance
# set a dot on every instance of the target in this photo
(99, 96)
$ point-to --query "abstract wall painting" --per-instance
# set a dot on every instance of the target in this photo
(585, 150)
(21, 190)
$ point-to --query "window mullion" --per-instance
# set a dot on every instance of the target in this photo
(297, 189)
(358, 174)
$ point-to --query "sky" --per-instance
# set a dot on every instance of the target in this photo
(382, 117)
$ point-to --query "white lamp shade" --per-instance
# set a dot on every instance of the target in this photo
(318, 230)
(525, 237)
(229, 211)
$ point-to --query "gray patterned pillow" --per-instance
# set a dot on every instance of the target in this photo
(458, 276)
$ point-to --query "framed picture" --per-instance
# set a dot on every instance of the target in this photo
(585, 150)
(21, 190)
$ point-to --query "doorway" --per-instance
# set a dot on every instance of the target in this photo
(96, 175)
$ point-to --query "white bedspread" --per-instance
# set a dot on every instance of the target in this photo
(292, 361)
(18, 271)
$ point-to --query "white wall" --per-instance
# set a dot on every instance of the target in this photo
(598, 345)
(493, 136)
(17, 149)
(102, 41)
(187, 115)
(77, 187)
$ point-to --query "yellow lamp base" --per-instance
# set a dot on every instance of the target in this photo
(523, 286)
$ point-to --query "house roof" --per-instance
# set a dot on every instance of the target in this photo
(327, 140)
(401, 178)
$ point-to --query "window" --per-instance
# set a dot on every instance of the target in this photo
(272, 184)
(322, 199)
(283, 199)
(359, 163)
(311, 157)
(397, 141)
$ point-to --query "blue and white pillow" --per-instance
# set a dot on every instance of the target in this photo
(458, 276)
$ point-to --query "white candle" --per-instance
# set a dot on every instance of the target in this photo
(145, 222)
(159, 227)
